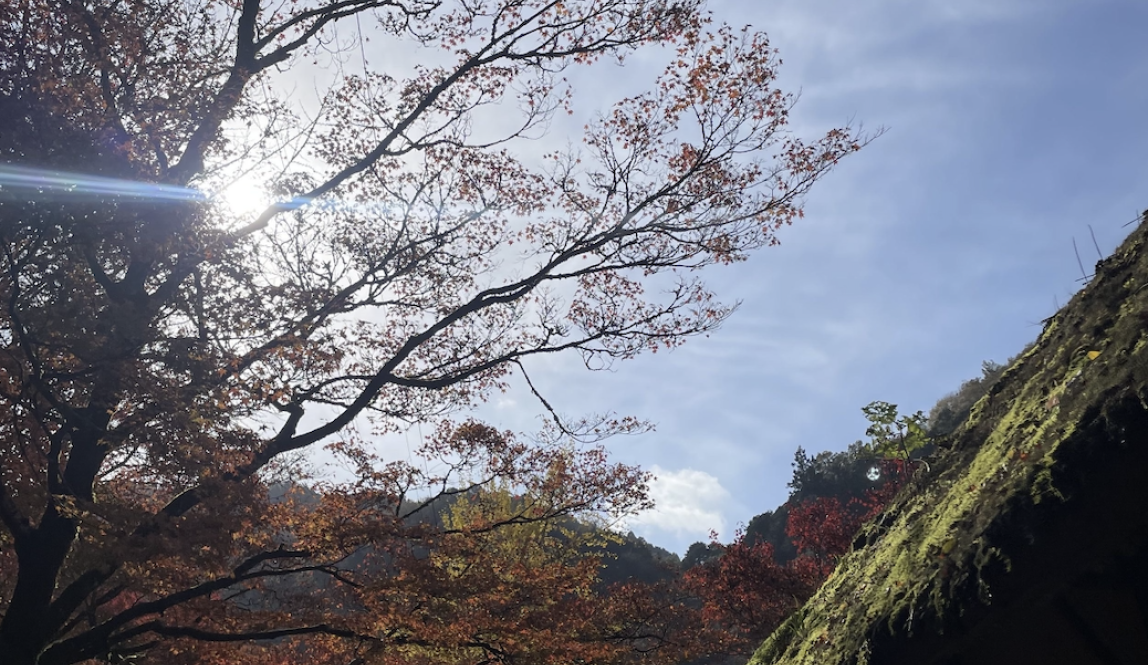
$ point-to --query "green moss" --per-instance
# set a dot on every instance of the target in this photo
(927, 559)
(1042, 486)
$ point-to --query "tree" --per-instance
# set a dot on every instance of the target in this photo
(699, 553)
(828, 473)
(832, 494)
(729, 597)
(952, 409)
(161, 352)
(523, 593)
(769, 527)
(744, 594)
(822, 528)
(726, 599)
(893, 435)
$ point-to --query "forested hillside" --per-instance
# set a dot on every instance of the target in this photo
(835, 479)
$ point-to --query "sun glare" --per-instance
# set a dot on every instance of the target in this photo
(243, 197)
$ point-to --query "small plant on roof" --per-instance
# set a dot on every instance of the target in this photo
(892, 435)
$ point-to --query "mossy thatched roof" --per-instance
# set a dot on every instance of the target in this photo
(1052, 460)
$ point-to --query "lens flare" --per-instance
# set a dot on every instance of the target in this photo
(49, 184)
(24, 183)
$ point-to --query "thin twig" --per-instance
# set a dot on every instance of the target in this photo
(1084, 275)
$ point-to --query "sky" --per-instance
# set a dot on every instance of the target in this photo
(1010, 127)
(1007, 129)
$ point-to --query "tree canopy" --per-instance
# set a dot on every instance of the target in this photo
(162, 352)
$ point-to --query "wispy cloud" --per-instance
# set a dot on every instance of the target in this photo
(1013, 124)
(689, 503)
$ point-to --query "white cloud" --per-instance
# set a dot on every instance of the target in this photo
(688, 502)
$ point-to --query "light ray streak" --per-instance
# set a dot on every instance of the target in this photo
(29, 183)
(50, 183)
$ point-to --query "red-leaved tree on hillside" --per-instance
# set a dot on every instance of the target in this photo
(727, 604)
(744, 594)
(823, 528)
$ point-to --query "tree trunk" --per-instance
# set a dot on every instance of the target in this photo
(27, 625)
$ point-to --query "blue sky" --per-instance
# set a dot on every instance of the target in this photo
(1011, 125)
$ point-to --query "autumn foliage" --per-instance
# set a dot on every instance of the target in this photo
(163, 354)
(746, 593)
(734, 596)
(823, 528)
(743, 595)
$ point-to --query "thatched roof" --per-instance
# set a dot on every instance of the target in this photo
(1026, 540)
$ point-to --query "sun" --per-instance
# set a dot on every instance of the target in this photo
(245, 196)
